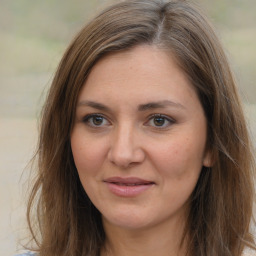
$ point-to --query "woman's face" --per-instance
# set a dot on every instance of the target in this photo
(139, 138)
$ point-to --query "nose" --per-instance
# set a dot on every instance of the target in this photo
(126, 148)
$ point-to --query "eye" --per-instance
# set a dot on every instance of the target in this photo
(160, 121)
(96, 120)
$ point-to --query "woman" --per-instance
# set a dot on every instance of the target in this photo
(143, 145)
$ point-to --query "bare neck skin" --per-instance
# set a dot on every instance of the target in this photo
(161, 240)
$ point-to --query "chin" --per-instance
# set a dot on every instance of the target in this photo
(128, 220)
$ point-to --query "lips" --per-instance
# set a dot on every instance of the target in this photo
(128, 187)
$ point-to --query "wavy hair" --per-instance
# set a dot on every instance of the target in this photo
(221, 208)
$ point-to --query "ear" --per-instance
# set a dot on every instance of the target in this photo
(208, 159)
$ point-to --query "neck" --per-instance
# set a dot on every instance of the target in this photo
(162, 240)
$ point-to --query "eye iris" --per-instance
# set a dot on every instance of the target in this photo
(97, 120)
(159, 121)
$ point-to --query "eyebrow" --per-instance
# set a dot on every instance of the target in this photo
(141, 107)
(93, 104)
(160, 104)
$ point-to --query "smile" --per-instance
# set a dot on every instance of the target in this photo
(128, 187)
(129, 184)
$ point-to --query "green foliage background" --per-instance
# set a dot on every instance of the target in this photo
(35, 33)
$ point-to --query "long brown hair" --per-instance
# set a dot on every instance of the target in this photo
(221, 205)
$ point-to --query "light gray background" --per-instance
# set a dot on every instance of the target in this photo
(33, 36)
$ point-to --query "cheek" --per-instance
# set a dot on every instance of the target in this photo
(179, 165)
(178, 158)
(88, 155)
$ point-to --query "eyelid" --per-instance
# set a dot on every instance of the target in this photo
(86, 118)
(168, 118)
(162, 115)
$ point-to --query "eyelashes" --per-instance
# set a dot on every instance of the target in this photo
(96, 120)
(158, 121)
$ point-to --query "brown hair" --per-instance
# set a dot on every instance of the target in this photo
(222, 202)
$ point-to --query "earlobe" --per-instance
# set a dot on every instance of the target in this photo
(208, 160)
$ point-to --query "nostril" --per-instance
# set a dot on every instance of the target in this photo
(125, 151)
(124, 158)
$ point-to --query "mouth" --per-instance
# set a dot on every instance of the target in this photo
(128, 187)
(130, 184)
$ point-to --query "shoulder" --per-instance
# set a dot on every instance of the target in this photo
(249, 252)
(27, 254)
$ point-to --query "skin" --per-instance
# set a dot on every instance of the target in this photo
(125, 140)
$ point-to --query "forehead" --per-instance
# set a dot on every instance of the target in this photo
(141, 73)
(145, 57)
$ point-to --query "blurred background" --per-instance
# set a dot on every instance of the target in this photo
(33, 37)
